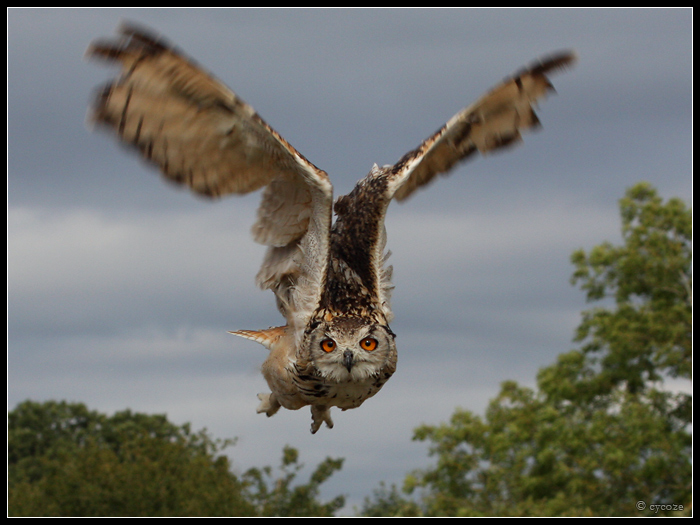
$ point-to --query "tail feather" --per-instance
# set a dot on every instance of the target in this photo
(266, 337)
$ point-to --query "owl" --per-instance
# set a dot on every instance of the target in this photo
(325, 260)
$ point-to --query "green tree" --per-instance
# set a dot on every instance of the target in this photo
(277, 497)
(648, 335)
(600, 435)
(66, 460)
(388, 502)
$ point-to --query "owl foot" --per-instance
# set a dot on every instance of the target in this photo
(268, 404)
(320, 414)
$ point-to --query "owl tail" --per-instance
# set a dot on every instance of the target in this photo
(267, 337)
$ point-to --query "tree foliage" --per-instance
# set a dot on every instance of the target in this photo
(66, 460)
(601, 435)
(648, 335)
(278, 497)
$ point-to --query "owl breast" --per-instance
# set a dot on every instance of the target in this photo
(315, 390)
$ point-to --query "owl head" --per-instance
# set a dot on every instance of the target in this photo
(350, 348)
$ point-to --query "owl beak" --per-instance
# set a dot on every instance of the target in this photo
(348, 359)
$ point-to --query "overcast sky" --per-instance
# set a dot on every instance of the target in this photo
(121, 288)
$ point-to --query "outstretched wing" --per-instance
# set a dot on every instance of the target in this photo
(492, 122)
(201, 134)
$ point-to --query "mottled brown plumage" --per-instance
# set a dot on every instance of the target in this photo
(329, 278)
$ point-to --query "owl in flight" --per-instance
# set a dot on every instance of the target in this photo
(329, 277)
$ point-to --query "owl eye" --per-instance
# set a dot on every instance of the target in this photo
(368, 344)
(328, 345)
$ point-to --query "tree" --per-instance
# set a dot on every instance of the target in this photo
(600, 435)
(66, 460)
(389, 502)
(648, 336)
(277, 497)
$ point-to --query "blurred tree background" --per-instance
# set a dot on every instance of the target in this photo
(65, 460)
(601, 432)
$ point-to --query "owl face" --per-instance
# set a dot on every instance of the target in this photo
(350, 349)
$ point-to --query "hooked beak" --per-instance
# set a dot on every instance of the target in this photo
(348, 359)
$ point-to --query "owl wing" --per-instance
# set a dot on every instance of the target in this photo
(202, 135)
(492, 122)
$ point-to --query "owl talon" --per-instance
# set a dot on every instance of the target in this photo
(268, 405)
(320, 414)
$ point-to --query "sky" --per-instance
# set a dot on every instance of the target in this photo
(121, 287)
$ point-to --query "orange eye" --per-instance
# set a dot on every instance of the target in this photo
(368, 344)
(328, 345)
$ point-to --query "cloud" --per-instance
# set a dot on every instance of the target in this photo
(74, 268)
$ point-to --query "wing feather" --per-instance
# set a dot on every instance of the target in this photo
(202, 135)
(492, 122)
(198, 131)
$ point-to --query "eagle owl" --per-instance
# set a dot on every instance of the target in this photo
(328, 275)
